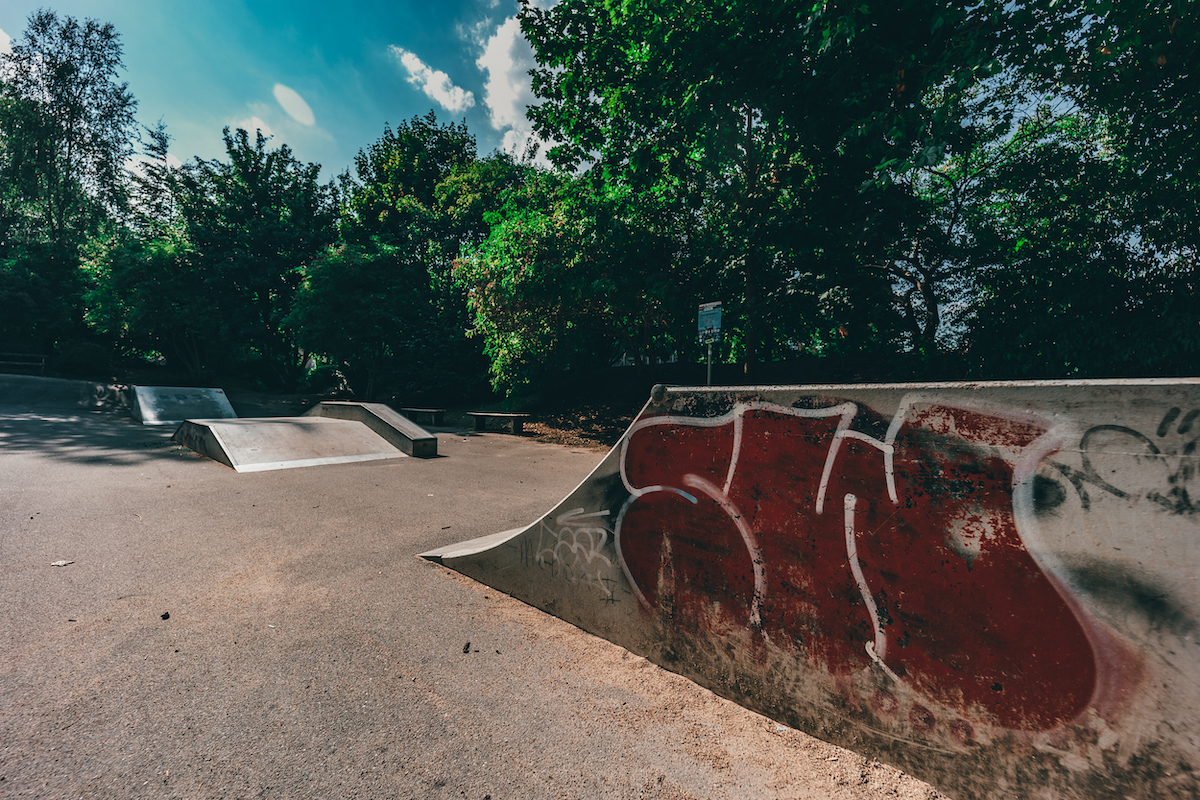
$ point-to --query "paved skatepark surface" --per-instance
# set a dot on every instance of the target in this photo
(274, 635)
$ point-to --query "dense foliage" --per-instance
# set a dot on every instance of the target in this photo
(1015, 184)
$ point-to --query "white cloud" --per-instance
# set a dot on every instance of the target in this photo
(434, 83)
(252, 124)
(507, 59)
(508, 90)
(294, 105)
(5, 42)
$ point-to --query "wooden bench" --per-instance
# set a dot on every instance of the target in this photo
(437, 416)
(23, 361)
(516, 418)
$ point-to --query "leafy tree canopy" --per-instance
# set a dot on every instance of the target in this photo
(67, 123)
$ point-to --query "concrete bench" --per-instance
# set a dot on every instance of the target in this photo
(516, 418)
(23, 361)
(437, 416)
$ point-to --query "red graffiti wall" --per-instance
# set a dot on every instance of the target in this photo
(990, 586)
(896, 548)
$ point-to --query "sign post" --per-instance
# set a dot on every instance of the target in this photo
(708, 321)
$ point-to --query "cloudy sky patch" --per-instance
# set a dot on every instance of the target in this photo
(436, 84)
(463, 59)
(508, 88)
(294, 105)
(251, 124)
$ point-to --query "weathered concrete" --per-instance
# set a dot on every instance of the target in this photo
(992, 586)
(34, 394)
(171, 405)
(404, 434)
(269, 443)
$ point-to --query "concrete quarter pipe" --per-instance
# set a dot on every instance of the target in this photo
(991, 586)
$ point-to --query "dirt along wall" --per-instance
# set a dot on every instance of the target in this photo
(991, 586)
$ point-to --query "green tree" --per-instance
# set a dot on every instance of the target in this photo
(41, 287)
(252, 224)
(66, 129)
(393, 195)
(68, 125)
(149, 297)
(417, 197)
(1076, 286)
(570, 278)
(147, 292)
(773, 118)
(154, 211)
(367, 309)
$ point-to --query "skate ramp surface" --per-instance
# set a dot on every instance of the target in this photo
(401, 432)
(992, 586)
(171, 405)
(267, 443)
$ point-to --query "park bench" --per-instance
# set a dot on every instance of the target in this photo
(22, 361)
(436, 416)
(516, 418)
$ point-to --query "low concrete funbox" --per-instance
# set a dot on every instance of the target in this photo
(331, 432)
(992, 586)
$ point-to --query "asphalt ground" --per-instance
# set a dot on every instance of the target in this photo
(273, 634)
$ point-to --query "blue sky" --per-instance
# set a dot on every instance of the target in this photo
(321, 77)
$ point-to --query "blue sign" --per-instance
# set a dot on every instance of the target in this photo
(709, 322)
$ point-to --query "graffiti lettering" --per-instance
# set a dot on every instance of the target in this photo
(922, 576)
(1101, 440)
(576, 549)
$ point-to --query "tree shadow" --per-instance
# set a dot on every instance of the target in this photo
(83, 436)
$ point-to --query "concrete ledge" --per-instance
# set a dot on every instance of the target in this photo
(404, 434)
(517, 418)
(200, 437)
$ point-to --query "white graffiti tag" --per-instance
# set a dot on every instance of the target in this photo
(576, 549)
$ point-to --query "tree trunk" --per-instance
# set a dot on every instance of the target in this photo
(750, 314)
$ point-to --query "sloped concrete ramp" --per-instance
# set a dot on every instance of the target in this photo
(400, 431)
(171, 405)
(267, 443)
(992, 586)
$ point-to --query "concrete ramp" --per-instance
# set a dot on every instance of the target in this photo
(992, 586)
(255, 445)
(401, 432)
(171, 405)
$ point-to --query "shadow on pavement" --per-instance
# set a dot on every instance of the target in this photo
(77, 421)
(80, 436)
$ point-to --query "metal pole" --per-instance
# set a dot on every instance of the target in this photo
(710, 362)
